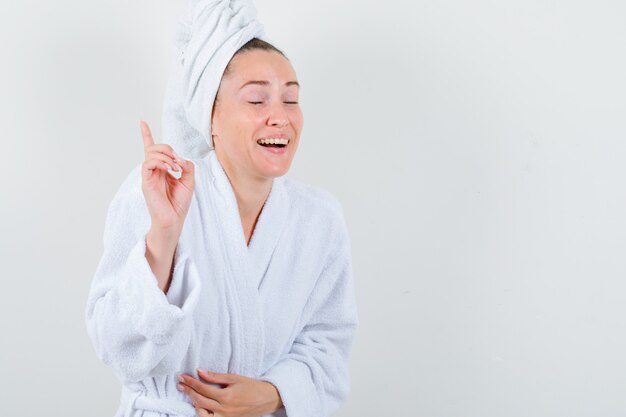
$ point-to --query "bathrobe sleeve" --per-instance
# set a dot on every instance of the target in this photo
(136, 328)
(313, 378)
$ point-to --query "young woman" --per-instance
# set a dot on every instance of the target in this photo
(227, 289)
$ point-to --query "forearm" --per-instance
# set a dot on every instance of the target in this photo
(160, 250)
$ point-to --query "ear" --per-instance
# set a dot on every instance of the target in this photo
(213, 108)
(214, 130)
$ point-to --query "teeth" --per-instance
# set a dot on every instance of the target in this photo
(273, 141)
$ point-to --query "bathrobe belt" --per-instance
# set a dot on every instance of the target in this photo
(138, 401)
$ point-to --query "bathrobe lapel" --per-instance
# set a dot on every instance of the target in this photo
(267, 232)
(246, 266)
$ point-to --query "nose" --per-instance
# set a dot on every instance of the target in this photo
(278, 115)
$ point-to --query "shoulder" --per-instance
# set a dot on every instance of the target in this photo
(129, 193)
(313, 198)
(316, 207)
(127, 213)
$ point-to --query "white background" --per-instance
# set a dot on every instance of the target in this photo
(478, 149)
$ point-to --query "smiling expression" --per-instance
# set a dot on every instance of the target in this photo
(257, 119)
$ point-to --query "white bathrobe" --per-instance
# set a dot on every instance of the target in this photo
(282, 309)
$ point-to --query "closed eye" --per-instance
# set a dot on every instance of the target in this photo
(260, 102)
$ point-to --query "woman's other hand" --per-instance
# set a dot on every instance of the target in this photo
(168, 198)
(241, 396)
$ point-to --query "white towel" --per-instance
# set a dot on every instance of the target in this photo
(282, 309)
(209, 32)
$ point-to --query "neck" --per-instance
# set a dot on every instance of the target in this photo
(250, 191)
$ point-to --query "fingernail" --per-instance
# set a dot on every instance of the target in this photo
(175, 156)
(180, 387)
(181, 379)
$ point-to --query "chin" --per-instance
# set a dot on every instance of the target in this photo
(274, 170)
(274, 173)
(272, 163)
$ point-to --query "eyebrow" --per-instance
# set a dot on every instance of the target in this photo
(266, 83)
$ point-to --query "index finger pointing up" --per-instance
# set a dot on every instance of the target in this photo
(146, 134)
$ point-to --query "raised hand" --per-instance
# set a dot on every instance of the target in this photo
(168, 200)
(167, 197)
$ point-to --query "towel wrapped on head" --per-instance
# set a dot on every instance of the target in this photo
(209, 33)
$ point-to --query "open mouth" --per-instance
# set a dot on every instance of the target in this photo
(273, 142)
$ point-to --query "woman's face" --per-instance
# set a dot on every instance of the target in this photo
(257, 99)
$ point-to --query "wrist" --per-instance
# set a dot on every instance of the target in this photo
(163, 239)
(275, 402)
(160, 250)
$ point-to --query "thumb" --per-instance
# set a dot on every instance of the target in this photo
(188, 169)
